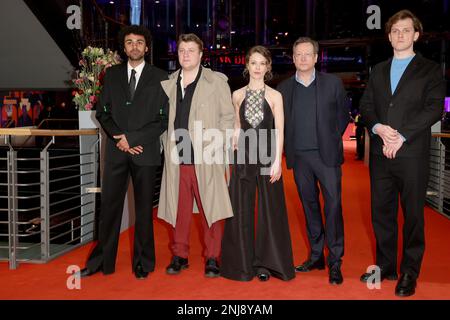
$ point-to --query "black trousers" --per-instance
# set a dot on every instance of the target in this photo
(310, 172)
(389, 178)
(114, 187)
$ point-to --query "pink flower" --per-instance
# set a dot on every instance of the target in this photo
(93, 62)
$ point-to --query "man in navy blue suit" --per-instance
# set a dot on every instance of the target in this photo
(316, 116)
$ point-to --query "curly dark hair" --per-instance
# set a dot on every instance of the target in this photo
(135, 29)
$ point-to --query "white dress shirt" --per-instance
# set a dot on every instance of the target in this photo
(138, 70)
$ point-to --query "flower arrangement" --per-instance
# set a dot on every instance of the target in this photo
(88, 81)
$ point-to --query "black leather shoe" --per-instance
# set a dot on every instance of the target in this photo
(310, 265)
(177, 264)
(263, 276)
(388, 275)
(406, 286)
(212, 268)
(335, 275)
(87, 272)
(139, 272)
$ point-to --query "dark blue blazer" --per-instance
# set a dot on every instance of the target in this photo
(332, 118)
(417, 103)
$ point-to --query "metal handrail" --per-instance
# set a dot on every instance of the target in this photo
(30, 197)
(71, 156)
(29, 209)
(23, 184)
(438, 182)
(70, 209)
(47, 132)
(29, 159)
(71, 166)
(73, 229)
(23, 248)
(440, 134)
(43, 224)
(68, 188)
(71, 220)
(68, 199)
(46, 121)
(70, 177)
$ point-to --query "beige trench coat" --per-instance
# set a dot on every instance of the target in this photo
(212, 105)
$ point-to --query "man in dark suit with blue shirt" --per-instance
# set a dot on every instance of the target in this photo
(403, 99)
(316, 115)
(131, 111)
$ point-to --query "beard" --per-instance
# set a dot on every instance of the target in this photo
(136, 56)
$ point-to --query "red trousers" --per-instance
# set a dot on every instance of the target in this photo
(212, 235)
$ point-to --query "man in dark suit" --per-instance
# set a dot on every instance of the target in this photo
(404, 98)
(130, 110)
(316, 116)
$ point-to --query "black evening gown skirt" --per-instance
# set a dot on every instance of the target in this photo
(261, 242)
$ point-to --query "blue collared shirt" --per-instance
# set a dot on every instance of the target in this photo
(299, 80)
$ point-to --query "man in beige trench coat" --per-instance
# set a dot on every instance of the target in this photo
(200, 106)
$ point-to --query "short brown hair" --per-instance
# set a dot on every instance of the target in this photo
(190, 37)
(300, 40)
(266, 54)
(402, 15)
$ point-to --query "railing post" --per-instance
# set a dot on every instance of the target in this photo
(87, 180)
(441, 174)
(45, 202)
(95, 161)
(12, 206)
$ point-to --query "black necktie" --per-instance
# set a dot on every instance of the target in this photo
(132, 83)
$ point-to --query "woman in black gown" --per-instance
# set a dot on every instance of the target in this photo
(266, 249)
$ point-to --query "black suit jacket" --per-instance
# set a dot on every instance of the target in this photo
(415, 106)
(332, 118)
(142, 120)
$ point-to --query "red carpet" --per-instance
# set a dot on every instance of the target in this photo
(48, 281)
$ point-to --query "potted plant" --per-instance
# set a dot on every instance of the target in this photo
(88, 82)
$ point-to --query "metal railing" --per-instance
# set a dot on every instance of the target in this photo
(438, 192)
(46, 207)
